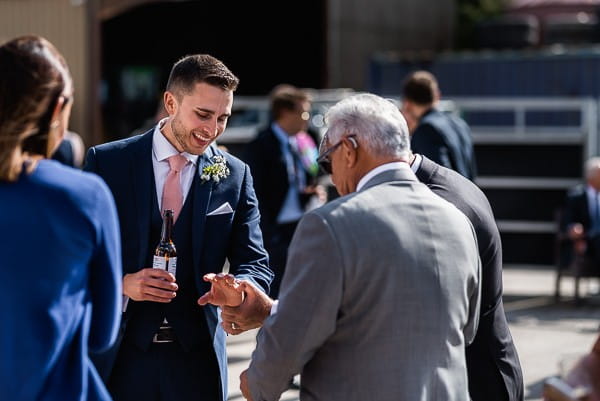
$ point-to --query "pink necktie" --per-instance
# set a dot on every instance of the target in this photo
(172, 197)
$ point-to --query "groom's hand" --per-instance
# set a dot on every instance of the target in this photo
(225, 290)
(149, 284)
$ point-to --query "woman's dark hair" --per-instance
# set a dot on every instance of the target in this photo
(33, 77)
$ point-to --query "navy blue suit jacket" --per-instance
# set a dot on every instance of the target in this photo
(126, 166)
(492, 362)
(445, 139)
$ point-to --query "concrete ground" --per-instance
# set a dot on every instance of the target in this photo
(548, 335)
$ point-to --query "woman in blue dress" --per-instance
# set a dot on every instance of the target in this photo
(60, 295)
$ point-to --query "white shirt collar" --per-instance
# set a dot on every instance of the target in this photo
(416, 163)
(280, 134)
(380, 169)
(163, 149)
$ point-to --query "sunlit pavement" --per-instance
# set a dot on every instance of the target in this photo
(548, 335)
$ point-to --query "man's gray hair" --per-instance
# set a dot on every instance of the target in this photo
(592, 166)
(376, 122)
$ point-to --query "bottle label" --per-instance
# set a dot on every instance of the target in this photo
(165, 263)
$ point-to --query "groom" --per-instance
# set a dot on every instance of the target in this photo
(171, 348)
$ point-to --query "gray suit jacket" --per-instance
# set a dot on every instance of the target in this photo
(380, 296)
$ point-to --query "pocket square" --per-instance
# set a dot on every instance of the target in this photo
(223, 209)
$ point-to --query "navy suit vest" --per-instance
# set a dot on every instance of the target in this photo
(183, 313)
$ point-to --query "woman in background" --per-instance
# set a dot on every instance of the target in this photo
(59, 238)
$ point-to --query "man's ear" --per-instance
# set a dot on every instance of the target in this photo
(171, 103)
(350, 151)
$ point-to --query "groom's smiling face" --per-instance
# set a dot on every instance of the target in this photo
(197, 118)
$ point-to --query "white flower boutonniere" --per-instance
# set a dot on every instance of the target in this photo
(216, 171)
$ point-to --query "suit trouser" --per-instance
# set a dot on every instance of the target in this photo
(165, 372)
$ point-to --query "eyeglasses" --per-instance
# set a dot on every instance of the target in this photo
(325, 161)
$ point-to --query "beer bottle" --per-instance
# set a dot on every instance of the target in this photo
(165, 255)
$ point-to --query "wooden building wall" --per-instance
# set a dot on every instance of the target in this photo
(65, 24)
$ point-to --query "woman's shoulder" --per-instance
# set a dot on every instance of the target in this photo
(69, 182)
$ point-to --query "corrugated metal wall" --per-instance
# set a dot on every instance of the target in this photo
(571, 72)
(64, 23)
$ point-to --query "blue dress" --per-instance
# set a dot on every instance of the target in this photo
(60, 292)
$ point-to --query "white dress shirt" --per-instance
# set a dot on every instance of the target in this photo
(161, 151)
(416, 163)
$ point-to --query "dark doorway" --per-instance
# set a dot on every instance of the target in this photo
(264, 43)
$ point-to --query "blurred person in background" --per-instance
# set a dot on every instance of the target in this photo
(282, 159)
(59, 239)
(442, 137)
(581, 217)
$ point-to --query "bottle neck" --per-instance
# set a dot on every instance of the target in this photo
(167, 228)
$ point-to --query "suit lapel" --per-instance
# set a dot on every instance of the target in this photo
(202, 193)
(143, 188)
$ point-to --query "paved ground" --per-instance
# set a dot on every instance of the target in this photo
(548, 335)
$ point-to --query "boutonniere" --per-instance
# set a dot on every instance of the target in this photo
(216, 171)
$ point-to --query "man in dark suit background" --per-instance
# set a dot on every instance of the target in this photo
(443, 137)
(492, 362)
(581, 217)
(282, 182)
(171, 348)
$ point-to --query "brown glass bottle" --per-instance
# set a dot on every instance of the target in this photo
(165, 255)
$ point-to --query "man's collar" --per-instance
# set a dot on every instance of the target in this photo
(378, 170)
(416, 162)
(280, 133)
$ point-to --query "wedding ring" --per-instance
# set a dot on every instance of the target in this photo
(233, 326)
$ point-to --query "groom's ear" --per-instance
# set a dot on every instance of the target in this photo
(171, 103)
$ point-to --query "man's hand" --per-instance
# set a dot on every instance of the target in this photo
(244, 386)
(224, 291)
(250, 314)
(156, 285)
(576, 231)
